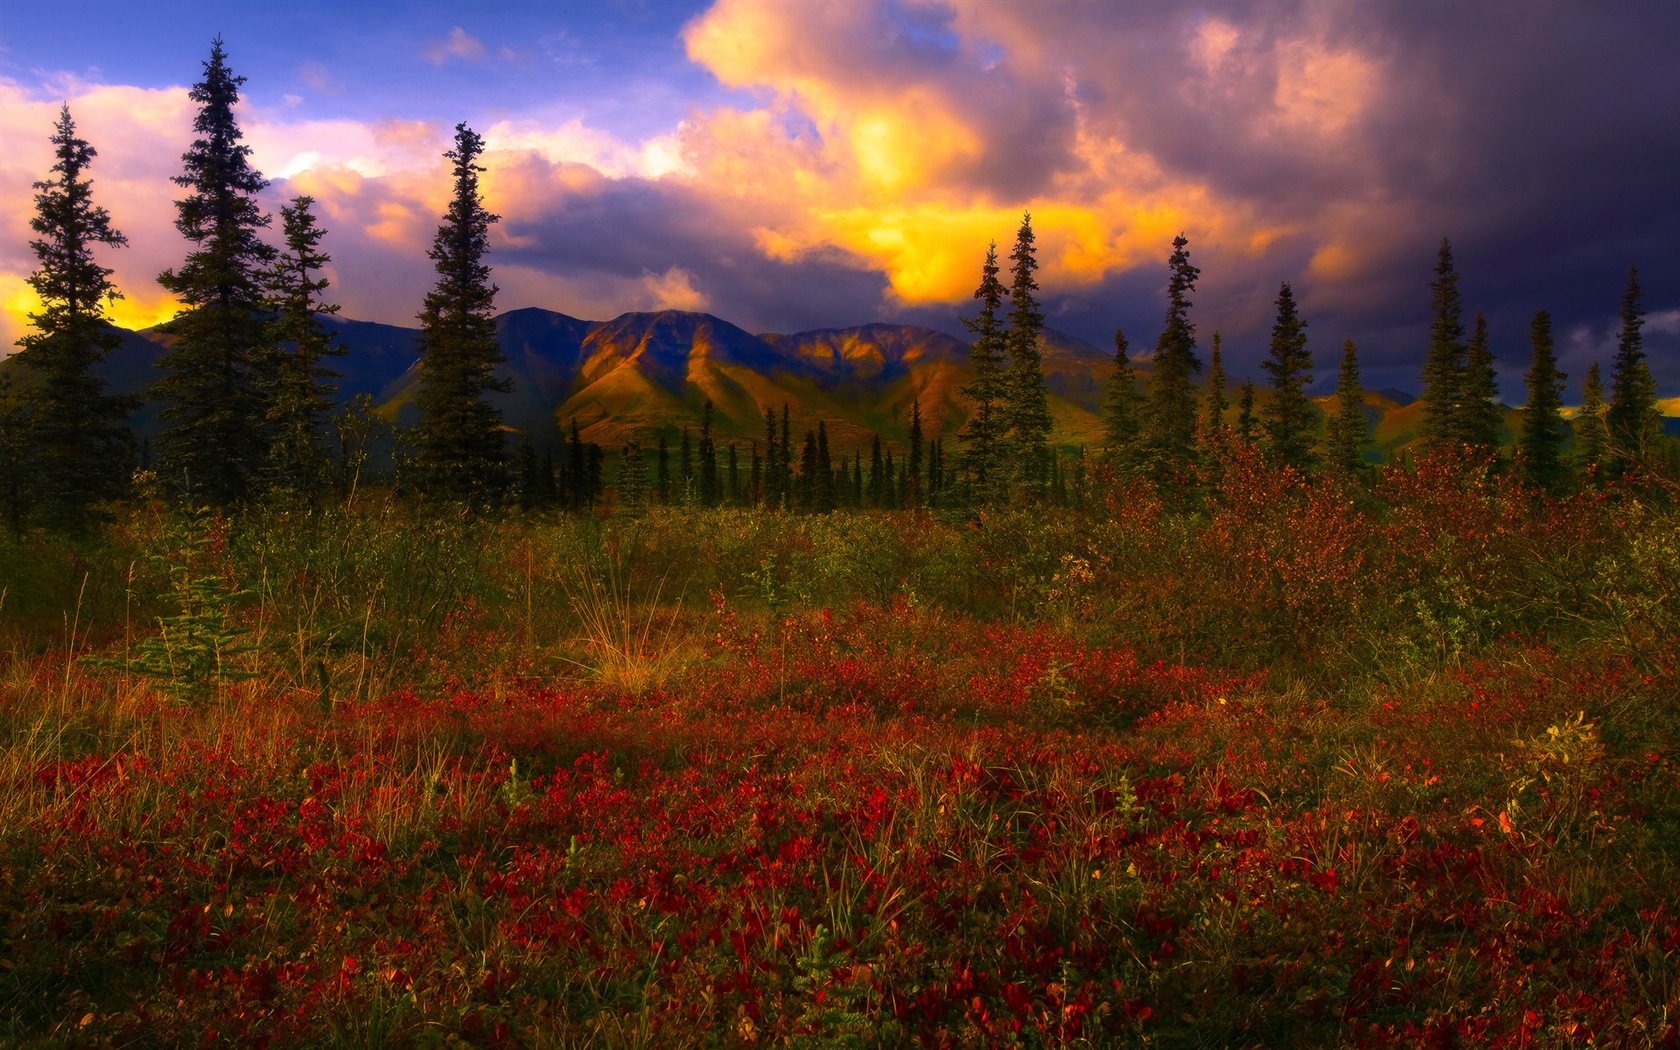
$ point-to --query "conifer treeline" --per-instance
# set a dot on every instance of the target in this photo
(247, 393)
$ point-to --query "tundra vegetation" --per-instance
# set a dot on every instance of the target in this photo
(1221, 736)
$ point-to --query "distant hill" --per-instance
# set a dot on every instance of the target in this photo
(641, 375)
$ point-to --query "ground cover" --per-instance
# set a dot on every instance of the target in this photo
(1304, 767)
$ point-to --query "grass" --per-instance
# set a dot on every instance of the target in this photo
(1311, 773)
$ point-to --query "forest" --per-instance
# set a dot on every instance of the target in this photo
(1220, 733)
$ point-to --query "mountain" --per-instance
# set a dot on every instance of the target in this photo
(643, 375)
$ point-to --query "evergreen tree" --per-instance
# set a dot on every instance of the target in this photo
(213, 439)
(1169, 423)
(1120, 409)
(981, 433)
(1026, 408)
(632, 479)
(1247, 424)
(1540, 445)
(1480, 425)
(1443, 369)
(808, 473)
(460, 453)
(708, 459)
(913, 469)
(1291, 421)
(1348, 432)
(822, 492)
(528, 484)
(74, 444)
(295, 384)
(17, 449)
(1633, 420)
(1592, 433)
(734, 475)
(1215, 403)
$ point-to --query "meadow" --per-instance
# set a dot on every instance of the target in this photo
(1293, 762)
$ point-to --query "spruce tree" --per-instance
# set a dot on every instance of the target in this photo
(1348, 432)
(213, 438)
(1247, 424)
(460, 452)
(913, 469)
(295, 383)
(1443, 369)
(1633, 420)
(1592, 433)
(1291, 420)
(1479, 426)
(822, 488)
(708, 460)
(1540, 445)
(632, 479)
(807, 486)
(74, 443)
(1215, 402)
(1120, 409)
(734, 475)
(981, 432)
(1026, 403)
(1169, 423)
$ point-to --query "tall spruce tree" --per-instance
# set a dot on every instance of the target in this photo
(1026, 402)
(1291, 420)
(460, 453)
(75, 448)
(1480, 426)
(214, 437)
(294, 381)
(822, 485)
(1443, 369)
(1540, 445)
(1121, 408)
(1169, 424)
(913, 468)
(1214, 403)
(1592, 432)
(1633, 420)
(981, 432)
(708, 459)
(1347, 433)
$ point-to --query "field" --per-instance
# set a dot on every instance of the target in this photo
(1291, 764)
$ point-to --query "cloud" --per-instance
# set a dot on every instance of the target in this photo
(869, 151)
(458, 44)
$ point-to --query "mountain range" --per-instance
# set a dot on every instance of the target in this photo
(641, 375)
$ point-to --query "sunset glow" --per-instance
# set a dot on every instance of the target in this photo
(739, 156)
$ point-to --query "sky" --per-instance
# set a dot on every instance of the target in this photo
(799, 165)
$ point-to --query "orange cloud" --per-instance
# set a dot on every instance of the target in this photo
(901, 172)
